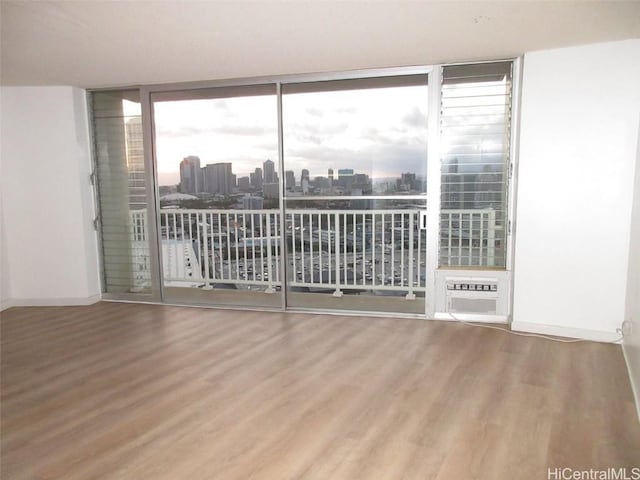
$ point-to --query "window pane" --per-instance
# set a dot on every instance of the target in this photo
(475, 127)
(351, 148)
(213, 152)
(217, 162)
(356, 137)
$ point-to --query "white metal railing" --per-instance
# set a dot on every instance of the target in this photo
(352, 250)
(468, 237)
(340, 251)
(221, 248)
(140, 260)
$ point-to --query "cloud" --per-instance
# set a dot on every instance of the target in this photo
(415, 118)
(319, 128)
(190, 131)
(379, 160)
(314, 112)
(251, 130)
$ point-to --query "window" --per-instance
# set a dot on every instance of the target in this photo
(122, 191)
(475, 126)
(355, 157)
(356, 137)
(306, 192)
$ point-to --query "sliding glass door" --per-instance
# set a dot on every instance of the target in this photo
(336, 216)
(355, 161)
(216, 157)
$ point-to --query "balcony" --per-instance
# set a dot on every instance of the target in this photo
(338, 252)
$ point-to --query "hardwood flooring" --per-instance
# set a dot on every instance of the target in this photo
(126, 391)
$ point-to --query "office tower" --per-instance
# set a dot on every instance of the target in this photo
(330, 177)
(304, 176)
(345, 177)
(135, 164)
(362, 182)
(218, 178)
(256, 178)
(269, 172)
(406, 182)
(244, 184)
(289, 180)
(190, 174)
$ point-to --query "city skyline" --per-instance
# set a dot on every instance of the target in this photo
(220, 179)
(381, 132)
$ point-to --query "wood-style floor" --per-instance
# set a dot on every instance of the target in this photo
(125, 391)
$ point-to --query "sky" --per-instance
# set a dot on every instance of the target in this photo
(381, 132)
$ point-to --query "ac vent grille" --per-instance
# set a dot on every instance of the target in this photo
(472, 305)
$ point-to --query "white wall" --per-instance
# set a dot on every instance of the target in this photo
(631, 342)
(578, 141)
(5, 277)
(47, 197)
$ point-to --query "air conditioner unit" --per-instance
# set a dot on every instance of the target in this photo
(472, 295)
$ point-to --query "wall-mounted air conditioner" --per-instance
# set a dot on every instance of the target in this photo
(472, 295)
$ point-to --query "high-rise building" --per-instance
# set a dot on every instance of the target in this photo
(256, 178)
(269, 172)
(135, 164)
(406, 182)
(218, 178)
(304, 176)
(330, 177)
(190, 174)
(345, 177)
(289, 180)
(362, 182)
(244, 184)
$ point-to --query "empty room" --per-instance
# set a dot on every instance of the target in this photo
(334, 240)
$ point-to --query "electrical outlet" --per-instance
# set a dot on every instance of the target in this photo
(626, 328)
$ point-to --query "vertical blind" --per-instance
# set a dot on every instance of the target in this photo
(475, 135)
(122, 191)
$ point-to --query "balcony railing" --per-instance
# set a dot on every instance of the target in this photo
(343, 251)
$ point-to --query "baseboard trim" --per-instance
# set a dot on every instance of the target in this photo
(570, 332)
(7, 303)
(471, 317)
(634, 388)
(50, 302)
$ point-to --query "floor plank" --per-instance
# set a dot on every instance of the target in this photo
(128, 391)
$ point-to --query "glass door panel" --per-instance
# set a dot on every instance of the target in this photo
(355, 161)
(219, 228)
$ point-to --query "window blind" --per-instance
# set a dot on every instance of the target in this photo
(122, 191)
(475, 128)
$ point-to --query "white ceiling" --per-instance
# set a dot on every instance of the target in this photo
(95, 43)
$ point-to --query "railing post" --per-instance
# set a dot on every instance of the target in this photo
(205, 256)
(338, 292)
(410, 294)
(270, 288)
(491, 238)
